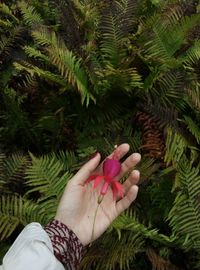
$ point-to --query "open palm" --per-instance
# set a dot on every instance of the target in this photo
(79, 202)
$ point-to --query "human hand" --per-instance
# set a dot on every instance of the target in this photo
(79, 201)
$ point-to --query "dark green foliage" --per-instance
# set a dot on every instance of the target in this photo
(73, 77)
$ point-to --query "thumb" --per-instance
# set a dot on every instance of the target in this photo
(82, 175)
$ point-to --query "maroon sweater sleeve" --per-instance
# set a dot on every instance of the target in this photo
(67, 247)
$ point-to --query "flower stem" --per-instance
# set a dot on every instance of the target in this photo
(100, 199)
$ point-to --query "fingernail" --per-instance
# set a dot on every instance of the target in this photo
(93, 155)
(136, 156)
(136, 172)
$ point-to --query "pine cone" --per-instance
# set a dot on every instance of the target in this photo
(153, 142)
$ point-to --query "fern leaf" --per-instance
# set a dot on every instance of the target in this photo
(111, 39)
(32, 52)
(128, 15)
(7, 11)
(8, 42)
(2, 159)
(70, 68)
(147, 167)
(164, 42)
(193, 128)
(66, 62)
(6, 24)
(156, 47)
(120, 255)
(194, 94)
(14, 210)
(184, 217)
(30, 16)
(15, 165)
(34, 70)
(12, 170)
(175, 147)
(192, 55)
(67, 158)
(125, 222)
(182, 29)
(45, 175)
(172, 84)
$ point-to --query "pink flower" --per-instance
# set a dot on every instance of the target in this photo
(111, 168)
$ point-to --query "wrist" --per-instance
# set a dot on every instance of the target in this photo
(80, 234)
(67, 247)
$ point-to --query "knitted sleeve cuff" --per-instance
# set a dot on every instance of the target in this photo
(67, 247)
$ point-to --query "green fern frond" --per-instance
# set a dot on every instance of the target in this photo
(12, 170)
(179, 32)
(6, 24)
(130, 239)
(30, 15)
(67, 158)
(194, 94)
(135, 78)
(2, 160)
(111, 41)
(165, 41)
(156, 46)
(175, 147)
(4, 42)
(171, 86)
(147, 167)
(87, 14)
(69, 65)
(8, 42)
(36, 54)
(192, 55)
(70, 68)
(2, 179)
(172, 15)
(193, 128)
(184, 217)
(46, 176)
(14, 167)
(123, 79)
(135, 142)
(7, 11)
(14, 210)
(36, 71)
(44, 37)
(127, 14)
(130, 223)
(164, 116)
(121, 252)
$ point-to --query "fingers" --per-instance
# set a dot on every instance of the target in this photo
(128, 164)
(124, 203)
(82, 175)
(121, 150)
(131, 180)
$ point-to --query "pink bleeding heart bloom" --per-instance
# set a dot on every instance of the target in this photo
(111, 168)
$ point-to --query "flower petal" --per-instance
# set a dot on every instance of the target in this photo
(111, 167)
(119, 188)
(91, 178)
(104, 188)
(98, 179)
